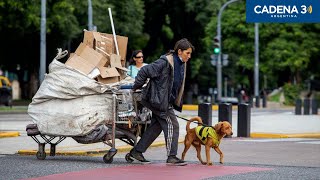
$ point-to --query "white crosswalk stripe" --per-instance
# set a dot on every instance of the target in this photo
(297, 140)
(310, 142)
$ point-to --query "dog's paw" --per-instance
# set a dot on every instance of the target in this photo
(204, 163)
(209, 163)
(221, 161)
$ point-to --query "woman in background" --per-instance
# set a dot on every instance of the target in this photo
(136, 62)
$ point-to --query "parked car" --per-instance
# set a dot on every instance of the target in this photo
(5, 91)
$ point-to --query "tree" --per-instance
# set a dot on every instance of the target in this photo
(168, 21)
(286, 50)
(20, 30)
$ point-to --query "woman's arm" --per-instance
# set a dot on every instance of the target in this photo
(152, 70)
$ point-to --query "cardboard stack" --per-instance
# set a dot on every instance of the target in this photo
(96, 57)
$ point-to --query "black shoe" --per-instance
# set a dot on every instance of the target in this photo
(173, 160)
(138, 156)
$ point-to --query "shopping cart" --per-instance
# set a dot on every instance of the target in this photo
(130, 119)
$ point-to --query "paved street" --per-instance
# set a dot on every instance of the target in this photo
(245, 158)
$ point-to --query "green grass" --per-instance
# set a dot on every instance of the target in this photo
(13, 109)
(274, 98)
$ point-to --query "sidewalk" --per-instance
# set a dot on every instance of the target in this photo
(263, 125)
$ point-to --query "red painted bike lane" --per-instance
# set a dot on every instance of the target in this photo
(154, 172)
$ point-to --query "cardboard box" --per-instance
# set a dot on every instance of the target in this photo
(87, 60)
(108, 80)
(108, 75)
(122, 45)
(100, 43)
(97, 58)
(105, 46)
(92, 56)
(115, 62)
(106, 72)
(105, 41)
(79, 64)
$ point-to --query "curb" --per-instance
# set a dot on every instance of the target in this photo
(272, 135)
(9, 134)
(190, 107)
(97, 152)
(127, 148)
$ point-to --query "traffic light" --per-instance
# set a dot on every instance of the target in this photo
(216, 45)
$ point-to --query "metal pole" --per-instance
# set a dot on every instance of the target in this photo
(90, 26)
(219, 70)
(113, 31)
(42, 69)
(256, 63)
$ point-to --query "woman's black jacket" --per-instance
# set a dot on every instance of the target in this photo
(156, 94)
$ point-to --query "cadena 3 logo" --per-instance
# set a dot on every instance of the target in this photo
(280, 9)
(283, 10)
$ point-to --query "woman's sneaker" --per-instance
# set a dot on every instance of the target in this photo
(174, 161)
(138, 156)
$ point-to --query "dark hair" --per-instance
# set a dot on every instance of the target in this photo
(183, 44)
(134, 54)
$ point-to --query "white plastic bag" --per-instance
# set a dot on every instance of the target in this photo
(70, 103)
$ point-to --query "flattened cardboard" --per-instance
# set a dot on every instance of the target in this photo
(79, 64)
(122, 45)
(104, 62)
(88, 39)
(108, 72)
(106, 44)
(100, 43)
(108, 80)
(89, 54)
(115, 61)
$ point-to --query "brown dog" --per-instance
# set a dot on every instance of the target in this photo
(208, 136)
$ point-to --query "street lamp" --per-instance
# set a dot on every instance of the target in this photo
(256, 64)
(219, 71)
(42, 69)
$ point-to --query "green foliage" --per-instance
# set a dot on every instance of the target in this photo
(65, 21)
(166, 30)
(196, 64)
(274, 98)
(291, 48)
(286, 49)
(19, 16)
(61, 18)
(129, 21)
(283, 48)
(291, 93)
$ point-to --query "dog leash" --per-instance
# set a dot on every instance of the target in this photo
(192, 121)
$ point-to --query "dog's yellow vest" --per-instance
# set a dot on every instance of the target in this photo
(204, 132)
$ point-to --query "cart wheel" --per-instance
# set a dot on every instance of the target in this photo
(128, 158)
(41, 156)
(107, 159)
